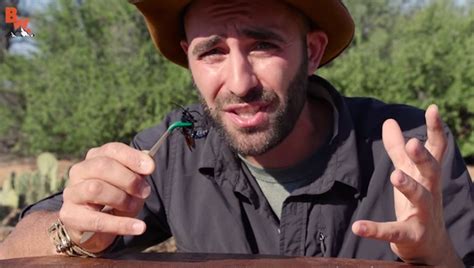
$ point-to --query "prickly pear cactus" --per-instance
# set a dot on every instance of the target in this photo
(8, 196)
(48, 170)
(8, 183)
(27, 188)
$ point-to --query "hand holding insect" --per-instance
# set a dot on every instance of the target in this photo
(107, 209)
(111, 175)
(108, 189)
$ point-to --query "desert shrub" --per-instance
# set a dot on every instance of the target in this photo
(422, 55)
(96, 78)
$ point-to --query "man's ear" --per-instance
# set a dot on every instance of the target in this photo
(316, 42)
(184, 45)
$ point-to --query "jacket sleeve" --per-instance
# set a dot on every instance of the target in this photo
(458, 201)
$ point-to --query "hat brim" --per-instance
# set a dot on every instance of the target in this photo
(164, 22)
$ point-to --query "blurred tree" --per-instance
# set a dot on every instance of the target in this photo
(5, 28)
(420, 55)
(10, 100)
(96, 79)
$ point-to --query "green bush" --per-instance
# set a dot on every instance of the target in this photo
(11, 102)
(422, 56)
(97, 78)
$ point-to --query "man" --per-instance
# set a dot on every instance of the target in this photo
(288, 166)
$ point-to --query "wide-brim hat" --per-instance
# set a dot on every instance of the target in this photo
(164, 19)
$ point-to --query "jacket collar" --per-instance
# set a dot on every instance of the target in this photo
(343, 164)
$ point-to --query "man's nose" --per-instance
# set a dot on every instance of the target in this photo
(241, 76)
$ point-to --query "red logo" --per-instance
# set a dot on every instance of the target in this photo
(11, 17)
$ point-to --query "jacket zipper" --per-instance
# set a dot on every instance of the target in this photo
(321, 238)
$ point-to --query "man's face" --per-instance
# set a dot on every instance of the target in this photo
(248, 60)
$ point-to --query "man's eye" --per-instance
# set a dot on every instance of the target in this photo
(265, 46)
(211, 52)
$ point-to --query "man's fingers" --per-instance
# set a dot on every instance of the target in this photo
(85, 220)
(418, 196)
(393, 232)
(133, 159)
(394, 143)
(101, 193)
(111, 171)
(437, 140)
(427, 165)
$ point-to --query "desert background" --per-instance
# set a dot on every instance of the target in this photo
(89, 74)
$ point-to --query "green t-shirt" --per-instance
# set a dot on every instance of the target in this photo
(277, 184)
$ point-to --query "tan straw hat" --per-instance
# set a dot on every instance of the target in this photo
(164, 19)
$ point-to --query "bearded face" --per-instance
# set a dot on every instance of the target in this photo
(250, 67)
(283, 114)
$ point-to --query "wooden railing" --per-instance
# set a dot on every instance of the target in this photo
(196, 260)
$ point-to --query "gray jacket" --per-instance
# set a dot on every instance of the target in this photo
(208, 200)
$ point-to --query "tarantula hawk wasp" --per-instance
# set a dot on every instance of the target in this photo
(197, 130)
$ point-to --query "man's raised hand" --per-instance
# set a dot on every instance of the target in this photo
(419, 234)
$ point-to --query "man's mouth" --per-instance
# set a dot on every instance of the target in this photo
(247, 115)
(247, 112)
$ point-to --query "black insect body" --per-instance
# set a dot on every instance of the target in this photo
(197, 130)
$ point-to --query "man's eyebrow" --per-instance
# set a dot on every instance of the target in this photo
(205, 45)
(254, 33)
(262, 34)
